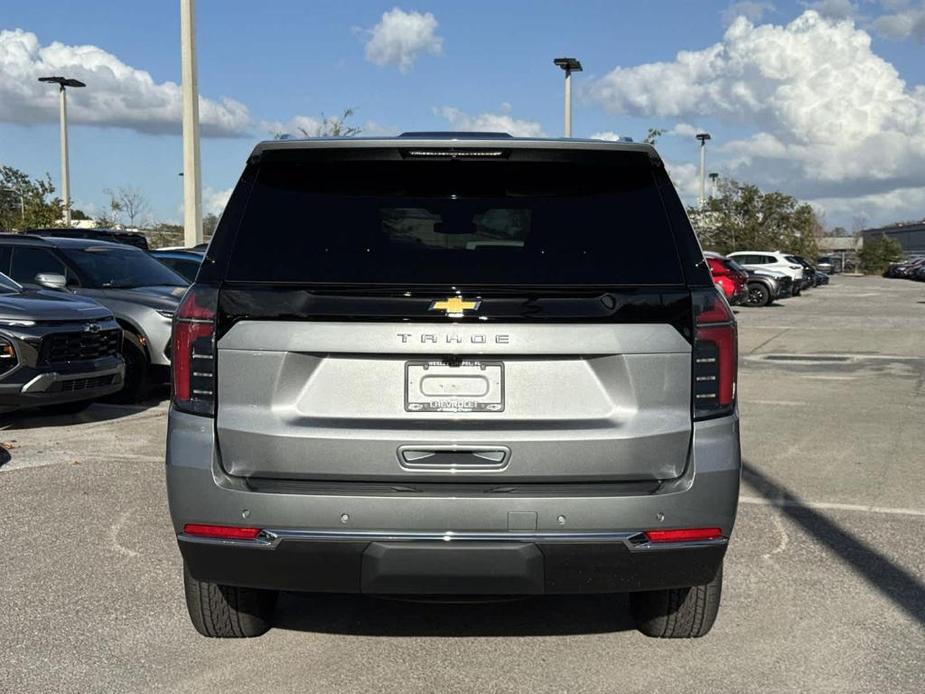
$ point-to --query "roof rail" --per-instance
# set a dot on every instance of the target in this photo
(22, 235)
(455, 135)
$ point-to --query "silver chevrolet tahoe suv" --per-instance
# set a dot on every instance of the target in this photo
(453, 364)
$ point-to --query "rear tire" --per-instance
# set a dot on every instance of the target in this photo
(228, 612)
(678, 613)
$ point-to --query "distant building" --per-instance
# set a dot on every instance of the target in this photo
(829, 245)
(910, 236)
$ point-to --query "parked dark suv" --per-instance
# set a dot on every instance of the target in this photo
(141, 292)
(57, 351)
(453, 364)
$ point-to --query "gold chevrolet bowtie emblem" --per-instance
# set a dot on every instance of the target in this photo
(455, 306)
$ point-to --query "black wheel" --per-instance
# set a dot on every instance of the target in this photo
(228, 612)
(758, 295)
(796, 290)
(67, 407)
(678, 613)
(136, 371)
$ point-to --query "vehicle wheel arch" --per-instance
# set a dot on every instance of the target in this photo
(768, 284)
(134, 332)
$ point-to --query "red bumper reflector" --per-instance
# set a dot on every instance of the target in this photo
(683, 535)
(224, 532)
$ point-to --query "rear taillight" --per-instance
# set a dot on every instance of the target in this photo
(717, 269)
(683, 535)
(715, 356)
(193, 351)
(221, 532)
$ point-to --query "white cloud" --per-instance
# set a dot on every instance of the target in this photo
(752, 10)
(400, 37)
(686, 178)
(298, 126)
(308, 126)
(490, 122)
(608, 135)
(214, 201)
(902, 204)
(907, 21)
(116, 95)
(684, 130)
(831, 119)
(372, 128)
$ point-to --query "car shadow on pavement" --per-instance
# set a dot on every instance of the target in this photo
(901, 587)
(35, 418)
(360, 615)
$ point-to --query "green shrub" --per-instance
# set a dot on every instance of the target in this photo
(878, 253)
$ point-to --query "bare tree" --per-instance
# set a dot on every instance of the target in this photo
(652, 136)
(209, 223)
(334, 126)
(859, 221)
(127, 201)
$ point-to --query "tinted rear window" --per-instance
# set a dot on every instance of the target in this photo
(455, 222)
(733, 265)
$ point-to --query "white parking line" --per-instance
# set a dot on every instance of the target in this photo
(784, 539)
(114, 531)
(830, 506)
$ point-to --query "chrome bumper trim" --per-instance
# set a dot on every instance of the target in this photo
(44, 381)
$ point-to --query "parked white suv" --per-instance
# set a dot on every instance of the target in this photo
(770, 260)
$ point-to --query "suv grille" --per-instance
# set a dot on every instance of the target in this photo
(61, 348)
(76, 384)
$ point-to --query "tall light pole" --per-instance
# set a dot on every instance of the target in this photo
(192, 182)
(703, 137)
(63, 83)
(569, 65)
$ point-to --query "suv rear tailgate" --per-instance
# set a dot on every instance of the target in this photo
(505, 311)
(330, 400)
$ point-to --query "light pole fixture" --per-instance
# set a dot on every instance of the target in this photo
(713, 178)
(703, 137)
(569, 65)
(63, 83)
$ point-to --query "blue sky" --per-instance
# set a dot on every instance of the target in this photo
(823, 100)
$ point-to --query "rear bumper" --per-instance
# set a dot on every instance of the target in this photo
(383, 542)
(392, 564)
(739, 295)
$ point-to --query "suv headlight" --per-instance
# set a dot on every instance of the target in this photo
(8, 358)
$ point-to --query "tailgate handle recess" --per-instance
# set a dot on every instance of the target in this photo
(454, 458)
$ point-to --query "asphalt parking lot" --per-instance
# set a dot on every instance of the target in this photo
(824, 580)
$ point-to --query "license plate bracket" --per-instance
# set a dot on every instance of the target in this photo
(470, 385)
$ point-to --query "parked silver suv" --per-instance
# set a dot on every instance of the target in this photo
(452, 365)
